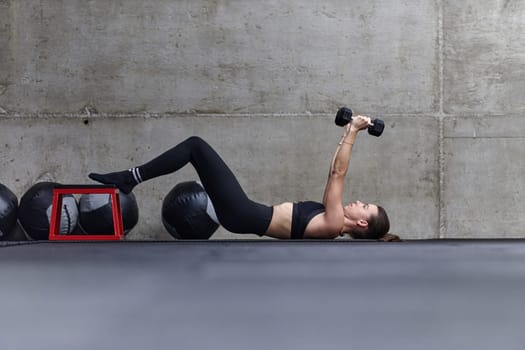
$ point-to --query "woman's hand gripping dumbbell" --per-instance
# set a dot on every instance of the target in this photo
(344, 116)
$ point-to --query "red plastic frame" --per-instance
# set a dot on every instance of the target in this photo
(60, 190)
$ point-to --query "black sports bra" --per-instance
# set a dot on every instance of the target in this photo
(302, 213)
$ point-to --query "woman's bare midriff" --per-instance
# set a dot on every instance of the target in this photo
(281, 224)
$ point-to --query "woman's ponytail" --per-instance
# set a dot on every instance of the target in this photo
(389, 237)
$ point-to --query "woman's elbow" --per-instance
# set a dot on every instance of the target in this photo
(338, 173)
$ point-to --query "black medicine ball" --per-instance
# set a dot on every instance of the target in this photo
(187, 212)
(96, 213)
(8, 211)
(35, 208)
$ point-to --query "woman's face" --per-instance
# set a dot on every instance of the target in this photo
(357, 211)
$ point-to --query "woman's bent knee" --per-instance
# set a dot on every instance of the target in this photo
(195, 140)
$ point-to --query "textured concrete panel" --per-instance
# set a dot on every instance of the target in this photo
(484, 186)
(5, 59)
(484, 65)
(276, 159)
(484, 127)
(221, 56)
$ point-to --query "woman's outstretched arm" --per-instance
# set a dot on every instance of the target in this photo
(333, 218)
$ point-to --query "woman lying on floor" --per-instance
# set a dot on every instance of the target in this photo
(239, 214)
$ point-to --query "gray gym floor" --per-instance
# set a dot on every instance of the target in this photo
(263, 295)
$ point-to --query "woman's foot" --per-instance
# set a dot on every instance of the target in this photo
(124, 180)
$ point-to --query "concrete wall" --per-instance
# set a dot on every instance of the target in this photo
(97, 86)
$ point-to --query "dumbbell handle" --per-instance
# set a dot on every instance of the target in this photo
(344, 116)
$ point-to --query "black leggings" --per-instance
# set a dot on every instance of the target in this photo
(235, 211)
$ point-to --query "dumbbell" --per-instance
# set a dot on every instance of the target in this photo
(344, 116)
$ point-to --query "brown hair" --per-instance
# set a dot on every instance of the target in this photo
(389, 237)
(378, 227)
